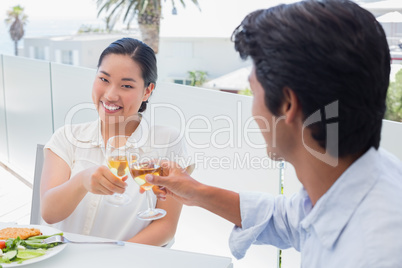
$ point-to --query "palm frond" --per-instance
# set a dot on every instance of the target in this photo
(14, 14)
(106, 5)
(183, 3)
(24, 19)
(9, 20)
(117, 7)
(131, 18)
(100, 3)
(195, 2)
(131, 7)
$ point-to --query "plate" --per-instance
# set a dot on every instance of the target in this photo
(45, 230)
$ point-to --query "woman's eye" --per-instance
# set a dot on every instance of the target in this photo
(103, 79)
(127, 86)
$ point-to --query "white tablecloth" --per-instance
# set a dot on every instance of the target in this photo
(129, 255)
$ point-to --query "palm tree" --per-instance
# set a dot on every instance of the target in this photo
(147, 12)
(17, 20)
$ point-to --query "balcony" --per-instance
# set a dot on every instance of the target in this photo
(37, 97)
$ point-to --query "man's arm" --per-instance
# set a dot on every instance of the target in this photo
(222, 202)
(263, 218)
(188, 191)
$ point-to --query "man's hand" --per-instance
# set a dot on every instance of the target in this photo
(176, 182)
(157, 191)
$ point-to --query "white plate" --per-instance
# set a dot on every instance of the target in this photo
(45, 230)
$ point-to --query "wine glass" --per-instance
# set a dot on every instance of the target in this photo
(116, 150)
(143, 161)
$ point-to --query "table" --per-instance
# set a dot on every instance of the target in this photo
(129, 255)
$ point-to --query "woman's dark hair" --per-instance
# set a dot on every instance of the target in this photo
(139, 52)
(326, 51)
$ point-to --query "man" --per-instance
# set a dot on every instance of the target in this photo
(321, 73)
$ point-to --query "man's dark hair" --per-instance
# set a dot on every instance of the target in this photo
(325, 51)
(139, 52)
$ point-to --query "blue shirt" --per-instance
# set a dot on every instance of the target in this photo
(356, 223)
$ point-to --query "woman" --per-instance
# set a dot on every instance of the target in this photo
(75, 177)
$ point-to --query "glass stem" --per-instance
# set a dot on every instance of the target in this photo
(150, 206)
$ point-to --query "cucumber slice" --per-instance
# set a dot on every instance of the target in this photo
(9, 255)
(30, 253)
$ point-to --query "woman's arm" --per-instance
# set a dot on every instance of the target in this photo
(60, 194)
(161, 231)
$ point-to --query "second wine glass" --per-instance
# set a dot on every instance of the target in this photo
(116, 153)
(143, 161)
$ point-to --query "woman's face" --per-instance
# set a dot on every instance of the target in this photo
(118, 89)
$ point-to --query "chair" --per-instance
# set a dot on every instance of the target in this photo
(36, 217)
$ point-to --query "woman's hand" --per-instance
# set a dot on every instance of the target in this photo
(100, 180)
(61, 193)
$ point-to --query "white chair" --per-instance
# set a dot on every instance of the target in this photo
(36, 217)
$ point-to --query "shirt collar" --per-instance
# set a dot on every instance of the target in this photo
(334, 209)
(92, 134)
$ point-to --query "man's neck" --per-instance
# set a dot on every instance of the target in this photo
(316, 176)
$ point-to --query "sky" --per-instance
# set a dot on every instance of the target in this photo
(48, 9)
(87, 8)
(190, 21)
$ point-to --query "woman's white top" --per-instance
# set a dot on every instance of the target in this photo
(81, 146)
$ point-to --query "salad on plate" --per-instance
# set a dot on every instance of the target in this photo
(20, 244)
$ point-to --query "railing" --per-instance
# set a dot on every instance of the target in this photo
(37, 97)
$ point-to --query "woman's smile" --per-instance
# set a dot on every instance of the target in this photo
(110, 107)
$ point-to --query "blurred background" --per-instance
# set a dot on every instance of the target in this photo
(193, 43)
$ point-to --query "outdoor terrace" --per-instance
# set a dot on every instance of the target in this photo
(37, 97)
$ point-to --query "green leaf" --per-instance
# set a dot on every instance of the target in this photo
(394, 99)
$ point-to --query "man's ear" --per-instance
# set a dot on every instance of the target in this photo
(291, 106)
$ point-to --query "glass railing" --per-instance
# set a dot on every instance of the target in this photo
(37, 97)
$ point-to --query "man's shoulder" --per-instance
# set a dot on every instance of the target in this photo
(380, 213)
(385, 195)
(374, 228)
(390, 164)
(389, 184)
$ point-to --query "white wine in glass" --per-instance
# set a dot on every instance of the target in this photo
(146, 163)
(116, 150)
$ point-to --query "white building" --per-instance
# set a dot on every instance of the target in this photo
(78, 50)
(177, 55)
